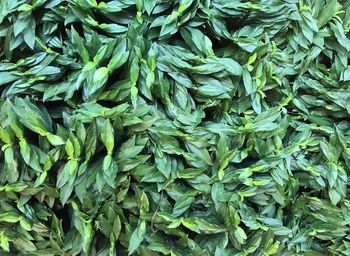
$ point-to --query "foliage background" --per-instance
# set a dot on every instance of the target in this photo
(158, 127)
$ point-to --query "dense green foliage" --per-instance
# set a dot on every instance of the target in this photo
(159, 127)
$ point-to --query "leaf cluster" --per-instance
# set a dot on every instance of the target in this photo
(158, 127)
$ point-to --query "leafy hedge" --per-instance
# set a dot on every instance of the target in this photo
(159, 127)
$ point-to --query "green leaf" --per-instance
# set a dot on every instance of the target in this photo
(134, 70)
(40, 180)
(9, 217)
(55, 140)
(169, 26)
(69, 148)
(100, 54)
(29, 35)
(4, 136)
(79, 44)
(232, 66)
(334, 196)
(149, 5)
(144, 202)
(100, 78)
(25, 224)
(190, 225)
(137, 237)
(120, 56)
(4, 242)
(327, 13)
(7, 77)
(107, 136)
(183, 204)
(248, 83)
(273, 248)
(240, 234)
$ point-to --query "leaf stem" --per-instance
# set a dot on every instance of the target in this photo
(155, 213)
